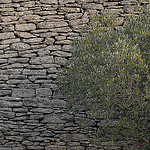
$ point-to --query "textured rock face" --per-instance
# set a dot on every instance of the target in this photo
(35, 38)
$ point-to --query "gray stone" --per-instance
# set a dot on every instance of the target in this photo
(7, 35)
(49, 1)
(10, 104)
(73, 16)
(1, 136)
(18, 60)
(9, 18)
(5, 92)
(53, 119)
(63, 42)
(74, 137)
(61, 54)
(34, 72)
(36, 117)
(53, 47)
(93, 6)
(21, 110)
(20, 46)
(10, 41)
(52, 24)
(15, 81)
(5, 1)
(31, 17)
(110, 3)
(25, 27)
(33, 40)
(43, 92)
(49, 34)
(24, 35)
(42, 60)
(55, 147)
(66, 1)
(23, 92)
(76, 148)
(42, 110)
(128, 2)
(7, 114)
(3, 77)
(49, 41)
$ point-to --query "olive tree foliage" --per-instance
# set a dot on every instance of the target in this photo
(108, 77)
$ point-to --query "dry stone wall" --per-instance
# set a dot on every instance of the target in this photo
(35, 38)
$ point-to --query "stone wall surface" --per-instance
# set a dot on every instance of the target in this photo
(35, 38)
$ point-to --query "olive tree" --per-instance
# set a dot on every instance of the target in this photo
(108, 77)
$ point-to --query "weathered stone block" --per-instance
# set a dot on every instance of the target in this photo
(43, 92)
(44, 13)
(31, 17)
(34, 72)
(23, 92)
(76, 148)
(6, 11)
(20, 110)
(9, 18)
(7, 114)
(66, 1)
(8, 28)
(63, 42)
(79, 22)
(3, 77)
(59, 60)
(5, 92)
(25, 27)
(42, 110)
(57, 103)
(129, 2)
(62, 29)
(93, 6)
(7, 35)
(13, 71)
(53, 47)
(16, 81)
(1, 136)
(20, 0)
(73, 16)
(10, 41)
(28, 4)
(61, 54)
(55, 147)
(74, 137)
(19, 46)
(49, 1)
(49, 41)
(52, 24)
(53, 119)
(5, 1)
(24, 35)
(110, 3)
(18, 60)
(10, 104)
(42, 60)
(49, 34)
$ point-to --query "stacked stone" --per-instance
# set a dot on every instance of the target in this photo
(35, 42)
